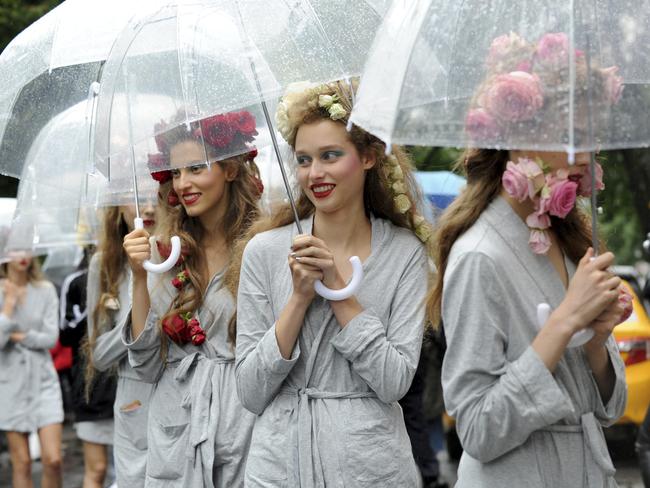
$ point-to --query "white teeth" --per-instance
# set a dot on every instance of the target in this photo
(322, 188)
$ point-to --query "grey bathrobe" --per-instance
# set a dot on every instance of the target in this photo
(329, 415)
(199, 433)
(519, 424)
(130, 435)
(30, 395)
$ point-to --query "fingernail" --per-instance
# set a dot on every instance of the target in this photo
(297, 258)
(292, 254)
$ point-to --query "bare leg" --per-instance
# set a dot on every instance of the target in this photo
(96, 463)
(50, 437)
(21, 463)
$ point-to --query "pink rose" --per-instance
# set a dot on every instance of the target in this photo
(563, 197)
(538, 222)
(515, 182)
(480, 125)
(503, 49)
(513, 97)
(613, 84)
(539, 241)
(625, 301)
(553, 50)
(585, 181)
(534, 174)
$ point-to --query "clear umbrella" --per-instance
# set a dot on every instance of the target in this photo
(214, 60)
(549, 75)
(50, 66)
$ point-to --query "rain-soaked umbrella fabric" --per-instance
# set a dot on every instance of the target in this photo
(57, 199)
(217, 64)
(221, 57)
(554, 75)
(50, 66)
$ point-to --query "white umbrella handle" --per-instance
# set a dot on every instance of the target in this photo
(170, 262)
(579, 338)
(349, 290)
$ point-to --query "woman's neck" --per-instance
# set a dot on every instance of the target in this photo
(19, 278)
(345, 229)
(522, 209)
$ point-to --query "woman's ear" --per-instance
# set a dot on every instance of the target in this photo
(231, 171)
(369, 160)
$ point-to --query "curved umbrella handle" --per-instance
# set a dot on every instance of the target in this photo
(170, 262)
(349, 290)
(578, 339)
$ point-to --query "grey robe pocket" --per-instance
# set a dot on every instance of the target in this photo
(269, 452)
(371, 443)
(131, 427)
(168, 451)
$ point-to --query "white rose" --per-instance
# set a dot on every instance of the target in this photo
(402, 203)
(337, 111)
(325, 100)
(396, 172)
(399, 187)
(424, 231)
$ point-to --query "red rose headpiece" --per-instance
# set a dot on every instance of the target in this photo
(227, 134)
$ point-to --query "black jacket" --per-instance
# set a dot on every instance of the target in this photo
(73, 327)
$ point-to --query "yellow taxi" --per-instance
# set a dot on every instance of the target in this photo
(633, 338)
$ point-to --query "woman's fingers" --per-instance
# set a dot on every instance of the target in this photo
(316, 263)
(304, 240)
(312, 251)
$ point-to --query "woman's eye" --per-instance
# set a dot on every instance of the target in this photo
(327, 155)
(302, 160)
(175, 173)
(197, 168)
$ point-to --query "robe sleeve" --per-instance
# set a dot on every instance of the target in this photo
(46, 337)
(260, 367)
(497, 403)
(386, 355)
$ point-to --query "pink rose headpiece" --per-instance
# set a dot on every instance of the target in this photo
(520, 76)
(553, 193)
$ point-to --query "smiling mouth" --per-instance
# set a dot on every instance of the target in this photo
(322, 191)
(148, 222)
(191, 198)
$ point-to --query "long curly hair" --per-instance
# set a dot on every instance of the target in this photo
(379, 197)
(242, 194)
(484, 169)
(111, 273)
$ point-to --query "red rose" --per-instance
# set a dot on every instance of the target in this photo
(245, 122)
(186, 274)
(175, 327)
(172, 198)
(198, 339)
(252, 154)
(165, 250)
(218, 131)
(178, 284)
(162, 176)
(258, 186)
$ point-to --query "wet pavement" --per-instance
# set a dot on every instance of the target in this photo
(627, 475)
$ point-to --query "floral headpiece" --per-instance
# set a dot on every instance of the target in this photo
(228, 134)
(553, 193)
(519, 74)
(326, 98)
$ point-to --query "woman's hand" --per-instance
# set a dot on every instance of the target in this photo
(312, 251)
(617, 312)
(305, 262)
(17, 337)
(592, 292)
(138, 250)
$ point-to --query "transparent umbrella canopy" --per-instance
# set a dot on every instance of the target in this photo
(548, 75)
(218, 64)
(50, 66)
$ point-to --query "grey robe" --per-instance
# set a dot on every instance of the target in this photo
(199, 433)
(519, 424)
(30, 395)
(329, 415)
(130, 436)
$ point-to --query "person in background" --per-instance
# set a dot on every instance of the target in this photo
(92, 405)
(30, 394)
